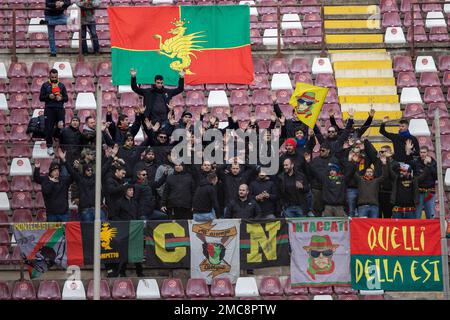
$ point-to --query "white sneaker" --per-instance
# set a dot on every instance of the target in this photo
(50, 151)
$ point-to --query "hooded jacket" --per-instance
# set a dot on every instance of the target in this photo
(429, 181)
(127, 209)
(205, 198)
(178, 190)
(86, 188)
(70, 141)
(118, 134)
(114, 190)
(399, 143)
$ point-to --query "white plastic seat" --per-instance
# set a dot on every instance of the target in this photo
(125, 88)
(218, 98)
(291, 21)
(64, 69)
(75, 43)
(435, 19)
(37, 113)
(3, 102)
(253, 10)
(3, 74)
(147, 289)
(425, 64)
(73, 290)
(40, 150)
(4, 201)
(246, 287)
(321, 65)
(447, 7)
(323, 297)
(162, 1)
(410, 95)
(281, 81)
(34, 26)
(270, 37)
(394, 35)
(85, 100)
(447, 178)
(20, 167)
(419, 127)
(371, 292)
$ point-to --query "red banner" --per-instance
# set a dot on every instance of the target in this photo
(392, 237)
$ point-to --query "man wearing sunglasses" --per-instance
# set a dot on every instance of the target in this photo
(320, 251)
(157, 97)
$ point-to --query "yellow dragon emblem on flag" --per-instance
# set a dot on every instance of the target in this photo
(180, 46)
(106, 235)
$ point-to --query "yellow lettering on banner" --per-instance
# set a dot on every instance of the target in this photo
(159, 235)
(405, 232)
(436, 270)
(394, 244)
(383, 244)
(377, 265)
(358, 270)
(398, 269)
(366, 270)
(424, 267)
(413, 238)
(385, 263)
(413, 273)
(422, 238)
(258, 239)
(372, 238)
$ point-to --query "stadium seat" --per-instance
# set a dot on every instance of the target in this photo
(321, 290)
(313, 35)
(20, 167)
(417, 17)
(103, 69)
(172, 288)
(4, 136)
(86, 100)
(4, 120)
(3, 102)
(73, 290)
(23, 290)
(394, 35)
(321, 65)
(18, 101)
(444, 125)
(147, 289)
(39, 69)
(435, 19)
(405, 6)
(300, 65)
(433, 94)
(283, 96)
(5, 293)
(4, 169)
(22, 215)
(406, 79)
(261, 97)
(429, 79)
(128, 100)
(21, 200)
(64, 69)
(426, 141)
(325, 80)
(197, 288)
(4, 202)
(332, 96)
(260, 81)
(425, 64)
(444, 63)
(402, 63)
(439, 34)
(289, 290)
(21, 183)
(36, 84)
(40, 150)
(269, 21)
(291, 21)
(84, 84)
(445, 142)
(419, 127)
(344, 290)
(270, 38)
(49, 290)
(285, 8)
(218, 98)
(83, 69)
(388, 6)
(4, 236)
(106, 84)
(270, 286)
(299, 297)
(391, 19)
(4, 184)
(303, 77)
(123, 289)
(38, 40)
(19, 116)
(419, 34)
(347, 297)
(18, 85)
(199, 87)
(4, 218)
(413, 111)
(105, 292)
(259, 65)
(246, 287)
(312, 20)
(18, 70)
(278, 65)
(238, 97)
(293, 37)
(41, 215)
(443, 112)
(4, 255)
(410, 95)
(281, 81)
(109, 99)
(446, 79)
(3, 74)
(255, 37)
(447, 177)
(221, 287)
(323, 297)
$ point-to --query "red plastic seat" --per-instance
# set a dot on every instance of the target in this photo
(216, 86)
(446, 79)
(303, 77)
(444, 63)
(18, 101)
(293, 36)
(36, 103)
(63, 39)
(388, 6)
(21, 183)
(178, 100)
(68, 84)
(260, 81)
(123, 289)
(4, 184)
(403, 63)
(83, 69)
(345, 290)
(312, 20)
(49, 290)
(416, 16)
(195, 98)
(271, 9)
(4, 255)
(23, 290)
(18, 85)
(129, 100)
(419, 34)
(18, 70)
(84, 84)
(41, 215)
(278, 65)
(3, 87)
(325, 80)
(324, 113)
(109, 99)
(36, 84)
(270, 286)
(22, 215)
(443, 112)
(18, 133)
(426, 141)
(439, 34)
(105, 292)
(21, 200)
(406, 79)
(428, 7)
(104, 39)
(172, 288)
(446, 159)
(5, 293)
(106, 84)
(45, 165)
(299, 297)
(237, 86)
(259, 65)
(4, 237)
(19, 116)
(445, 142)
(4, 168)
(197, 288)
(313, 35)
(332, 96)
(414, 111)
(20, 150)
(444, 125)
(222, 287)
(321, 290)
(313, 7)
(103, 68)
(4, 218)
(198, 87)
(269, 21)
(391, 19)
(38, 40)
(373, 297)
(239, 97)
(261, 97)
(21, 42)
(263, 112)
(429, 79)
(283, 96)
(405, 6)
(39, 69)
(290, 291)
(347, 297)
(285, 8)
(433, 94)
(242, 112)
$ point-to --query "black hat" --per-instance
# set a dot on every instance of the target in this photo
(186, 113)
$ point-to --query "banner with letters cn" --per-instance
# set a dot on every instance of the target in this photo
(264, 243)
(167, 244)
(215, 249)
(320, 251)
(396, 255)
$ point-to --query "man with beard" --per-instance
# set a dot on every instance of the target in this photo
(148, 164)
(292, 154)
(293, 189)
(88, 135)
(157, 97)
(243, 207)
(121, 130)
(264, 191)
(130, 154)
(70, 140)
(144, 193)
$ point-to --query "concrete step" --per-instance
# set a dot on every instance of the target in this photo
(363, 64)
(347, 10)
(352, 31)
(358, 56)
(338, 51)
(369, 90)
(364, 73)
(365, 107)
(354, 38)
(363, 82)
(352, 24)
(369, 99)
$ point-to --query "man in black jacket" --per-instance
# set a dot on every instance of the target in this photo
(243, 207)
(131, 154)
(55, 190)
(205, 204)
(157, 97)
(54, 15)
(121, 130)
(70, 140)
(291, 153)
(427, 186)
(400, 140)
(144, 193)
(115, 188)
(54, 95)
(264, 191)
(148, 163)
(293, 189)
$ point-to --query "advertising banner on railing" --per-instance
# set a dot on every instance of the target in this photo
(215, 249)
(264, 244)
(167, 244)
(396, 255)
(320, 251)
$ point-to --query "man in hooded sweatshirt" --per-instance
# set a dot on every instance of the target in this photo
(264, 191)
(205, 204)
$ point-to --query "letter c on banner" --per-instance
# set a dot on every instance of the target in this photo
(159, 234)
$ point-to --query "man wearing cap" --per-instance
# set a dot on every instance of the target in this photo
(55, 191)
(70, 140)
(291, 153)
(157, 97)
(320, 251)
(131, 154)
